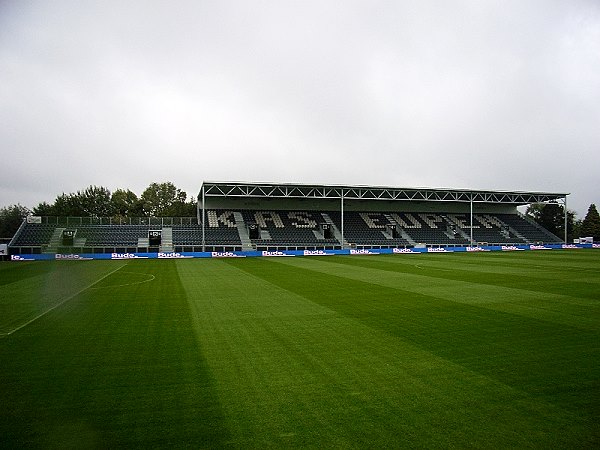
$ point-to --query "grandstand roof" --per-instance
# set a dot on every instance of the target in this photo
(295, 190)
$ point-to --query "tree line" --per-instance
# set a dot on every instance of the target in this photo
(551, 216)
(157, 200)
(166, 200)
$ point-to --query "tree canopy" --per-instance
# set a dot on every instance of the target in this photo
(93, 201)
(163, 200)
(551, 216)
(11, 218)
(590, 226)
(125, 203)
(157, 200)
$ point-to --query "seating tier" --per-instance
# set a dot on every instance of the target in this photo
(289, 228)
(292, 228)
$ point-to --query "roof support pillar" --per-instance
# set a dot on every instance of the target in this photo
(203, 220)
(566, 219)
(342, 215)
(471, 221)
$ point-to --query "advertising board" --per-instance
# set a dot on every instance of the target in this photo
(292, 253)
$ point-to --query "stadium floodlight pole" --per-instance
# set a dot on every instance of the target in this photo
(471, 220)
(342, 210)
(203, 239)
(566, 215)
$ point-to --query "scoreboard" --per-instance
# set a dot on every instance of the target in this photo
(155, 237)
(68, 235)
(326, 230)
(253, 231)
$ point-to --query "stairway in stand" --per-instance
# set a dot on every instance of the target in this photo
(166, 245)
(55, 240)
(336, 232)
(243, 232)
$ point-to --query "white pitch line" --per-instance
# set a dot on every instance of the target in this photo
(61, 303)
(128, 284)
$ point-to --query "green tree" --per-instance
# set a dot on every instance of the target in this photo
(184, 209)
(577, 228)
(68, 205)
(163, 199)
(44, 209)
(551, 216)
(534, 211)
(590, 226)
(126, 203)
(64, 205)
(94, 201)
(572, 225)
(11, 218)
(191, 208)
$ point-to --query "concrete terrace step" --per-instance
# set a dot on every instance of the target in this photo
(167, 240)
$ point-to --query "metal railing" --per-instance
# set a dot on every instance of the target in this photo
(117, 220)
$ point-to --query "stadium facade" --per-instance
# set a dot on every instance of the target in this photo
(244, 219)
(386, 212)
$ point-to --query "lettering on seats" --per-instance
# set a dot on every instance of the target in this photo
(461, 221)
(302, 220)
(404, 224)
(372, 222)
(262, 217)
(431, 219)
(488, 221)
(226, 218)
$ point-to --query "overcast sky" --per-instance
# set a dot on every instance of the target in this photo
(453, 94)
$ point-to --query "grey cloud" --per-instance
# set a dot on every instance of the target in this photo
(469, 94)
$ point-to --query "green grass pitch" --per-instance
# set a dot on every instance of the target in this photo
(494, 350)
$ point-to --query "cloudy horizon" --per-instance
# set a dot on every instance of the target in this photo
(464, 95)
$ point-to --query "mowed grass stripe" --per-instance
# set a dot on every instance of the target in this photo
(11, 271)
(430, 277)
(548, 286)
(61, 302)
(333, 377)
(542, 263)
(526, 274)
(116, 366)
(43, 287)
(549, 361)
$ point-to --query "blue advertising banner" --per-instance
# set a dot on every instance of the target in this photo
(293, 253)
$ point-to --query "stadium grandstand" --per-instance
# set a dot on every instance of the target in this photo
(244, 217)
